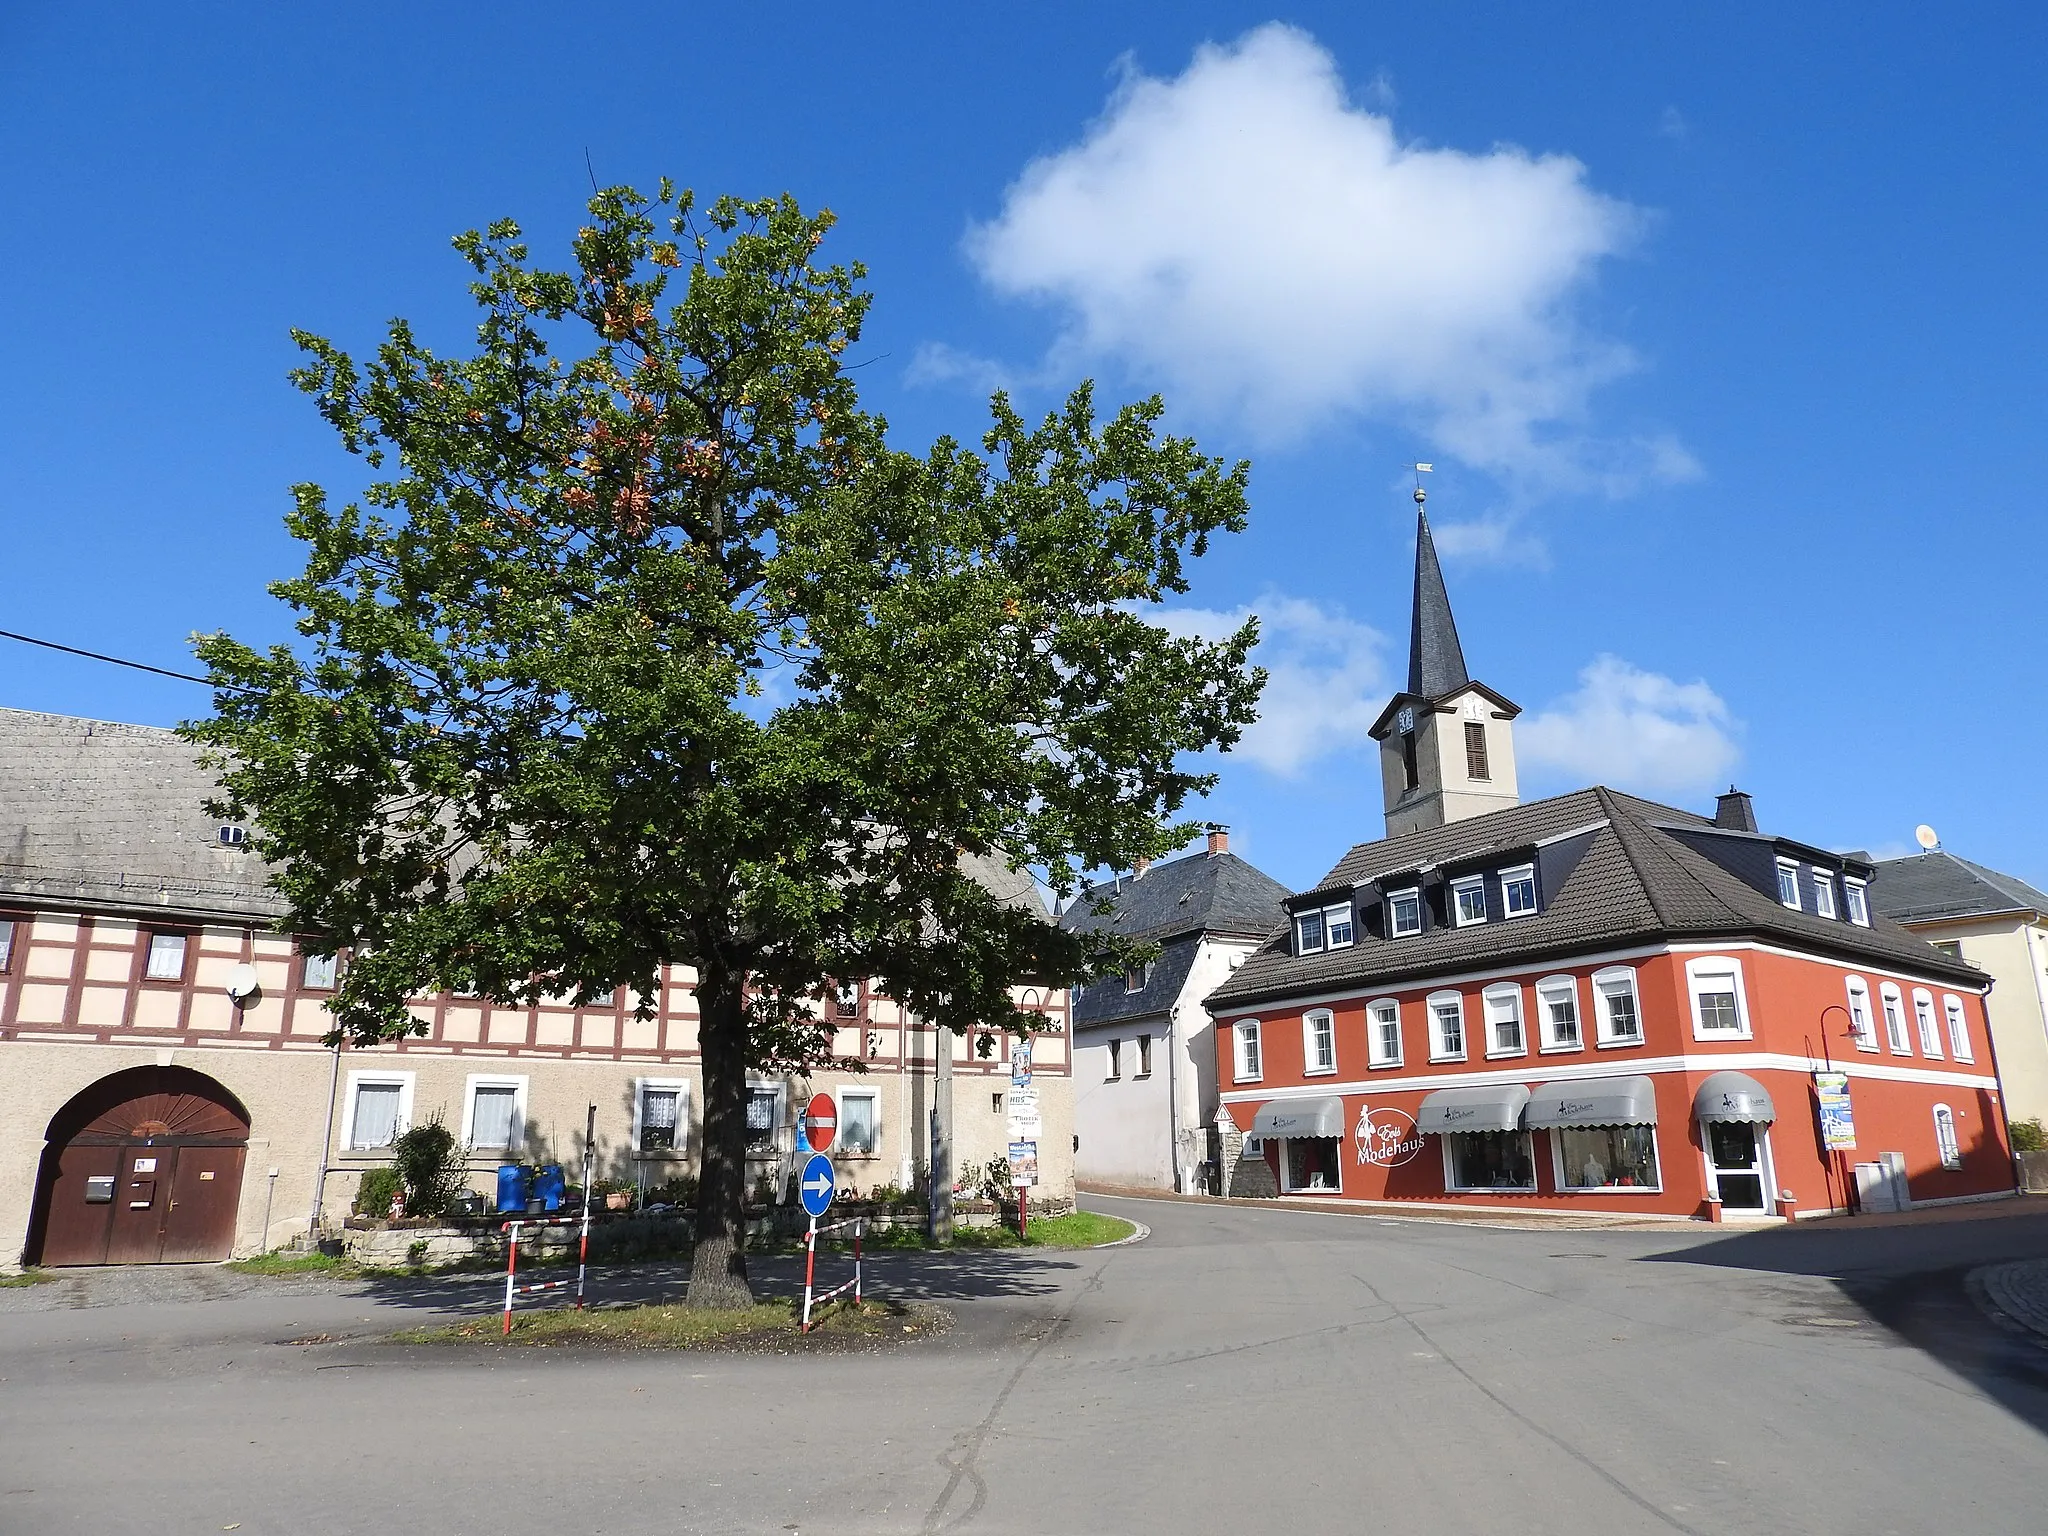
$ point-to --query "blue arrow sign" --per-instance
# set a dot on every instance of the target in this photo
(816, 1184)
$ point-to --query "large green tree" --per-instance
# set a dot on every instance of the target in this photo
(644, 647)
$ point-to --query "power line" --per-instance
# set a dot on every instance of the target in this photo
(139, 666)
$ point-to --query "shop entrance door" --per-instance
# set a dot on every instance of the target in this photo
(1735, 1157)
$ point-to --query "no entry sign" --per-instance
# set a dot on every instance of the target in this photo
(821, 1122)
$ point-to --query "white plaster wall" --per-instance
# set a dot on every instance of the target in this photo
(1122, 1124)
(2015, 955)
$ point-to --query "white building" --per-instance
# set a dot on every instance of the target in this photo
(1144, 1059)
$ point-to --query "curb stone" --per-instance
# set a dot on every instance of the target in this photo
(2015, 1293)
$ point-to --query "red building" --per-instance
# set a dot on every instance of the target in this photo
(1593, 1002)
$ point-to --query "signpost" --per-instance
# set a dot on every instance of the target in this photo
(821, 1122)
(814, 1185)
(1025, 1128)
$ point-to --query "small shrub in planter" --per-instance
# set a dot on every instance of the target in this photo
(428, 1162)
(2029, 1136)
(374, 1194)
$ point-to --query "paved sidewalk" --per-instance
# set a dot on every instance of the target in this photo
(2018, 1290)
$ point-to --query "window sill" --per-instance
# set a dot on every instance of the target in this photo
(1507, 1054)
(1623, 1043)
(1434, 1058)
(1512, 916)
(1471, 922)
(1383, 1066)
(1708, 1037)
(1561, 1050)
(1613, 1189)
(1318, 1071)
(1139, 1077)
(1253, 1080)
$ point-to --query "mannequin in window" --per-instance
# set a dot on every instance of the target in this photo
(1595, 1172)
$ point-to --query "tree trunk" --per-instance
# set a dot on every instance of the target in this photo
(942, 1135)
(718, 1266)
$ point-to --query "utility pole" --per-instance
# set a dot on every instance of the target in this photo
(942, 1135)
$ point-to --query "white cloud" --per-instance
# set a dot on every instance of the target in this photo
(1326, 682)
(1490, 541)
(1632, 729)
(1248, 238)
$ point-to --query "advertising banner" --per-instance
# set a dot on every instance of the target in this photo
(1020, 1063)
(1024, 1164)
(1837, 1118)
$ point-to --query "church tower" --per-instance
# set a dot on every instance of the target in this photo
(1447, 744)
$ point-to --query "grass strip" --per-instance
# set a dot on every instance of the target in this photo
(26, 1277)
(767, 1325)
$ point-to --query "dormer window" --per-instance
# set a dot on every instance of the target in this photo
(1137, 976)
(1338, 931)
(1823, 893)
(1856, 903)
(1308, 933)
(1468, 900)
(1518, 891)
(1404, 913)
(1788, 883)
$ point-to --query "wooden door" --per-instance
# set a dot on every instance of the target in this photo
(81, 1205)
(141, 1195)
(206, 1188)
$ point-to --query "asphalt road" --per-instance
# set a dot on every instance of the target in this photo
(1240, 1371)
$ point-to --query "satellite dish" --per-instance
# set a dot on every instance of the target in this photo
(241, 982)
(1924, 836)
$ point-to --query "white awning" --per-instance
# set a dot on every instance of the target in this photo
(1734, 1096)
(1299, 1117)
(1496, 1107)
(1593, 1101)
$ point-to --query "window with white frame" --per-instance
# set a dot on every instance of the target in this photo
(661, 1118)
(1383, 1033)
(1319, 1041)
(379, 1107)
(1861, 1026)
(1855, 901)
(1338, 930)
(1958, 1027)
(1945, 1140)
(1116, 1062)
(1503, 1005)
(166, 957)
(1788, 883)
(1245, 1040)
(764, 1115)
(1518, 891)
(6, 945)
(1308, 933)
(317, 973)
(1823, 893)
(1718, 1010)
(1468, 901)
(1404, 913)
(1615, 1011)
(494, 1116)
(1138, 977)
(1894, 1020)
(1557, 1006)
(1923, 1017)
(860, 1122)
(847, 1001)
(1446, 1026)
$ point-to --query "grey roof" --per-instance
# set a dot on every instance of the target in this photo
(1106, 1001)
(1635, 882)
(1929, 886)
(1202, 893)
(112, 816)
(1436, 662)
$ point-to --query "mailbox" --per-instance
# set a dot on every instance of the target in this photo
(141, 1194)
(99, 1189)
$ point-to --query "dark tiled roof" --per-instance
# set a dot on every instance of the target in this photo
(1106, 1001)
(1928, 886)
(1436, 662)
(1634, 883)
(1202, 893)
(113, 816)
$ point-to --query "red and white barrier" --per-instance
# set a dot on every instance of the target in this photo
(512, 1259)
(860, 1226)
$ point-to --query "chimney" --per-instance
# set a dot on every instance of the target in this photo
(1734, 811)
(1138, 871)
(1219, 837)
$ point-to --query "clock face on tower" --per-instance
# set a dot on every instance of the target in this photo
(1405, 720)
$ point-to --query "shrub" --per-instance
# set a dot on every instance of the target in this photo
(678, 1191)
(993, 1181)
(2029, 1136)
(373, 1195)
(429, 1166)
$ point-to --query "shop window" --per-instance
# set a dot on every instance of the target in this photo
(1503, 1003)
(1945, 1137)
(166, 957)
(1894, 1020)
(660, 1123)
(1476, 1160)
(1446, 1026)
(1384, 1033)
(1718, 1011)
(1861, 1029)
(1958, 1028)
(1923, 1017)
(1311, 1162)
(763, 1106)
(1250, 1067)
(860, 1123)
(1557, 1002)
(1606, 1156)
(1614, 1004)
(1319, 1041)
(495, 1119)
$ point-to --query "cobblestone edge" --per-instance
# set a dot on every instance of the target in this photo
(2014, 1293)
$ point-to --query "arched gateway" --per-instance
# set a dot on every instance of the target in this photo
(143, 1167)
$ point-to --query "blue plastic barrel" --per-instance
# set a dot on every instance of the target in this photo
(512, 1180)
(548, 1186)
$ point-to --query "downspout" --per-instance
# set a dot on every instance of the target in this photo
(326, 1141)
(1173, 1089)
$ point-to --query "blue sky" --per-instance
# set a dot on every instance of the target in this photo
(1724, 329)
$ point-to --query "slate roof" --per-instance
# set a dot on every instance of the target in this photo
(1201, 893)
(108, 815)
(1436, 662)
(1106, 1001)
(1930, 886)
(1636, 882)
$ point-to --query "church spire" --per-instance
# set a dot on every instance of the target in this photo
(1436, 662)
